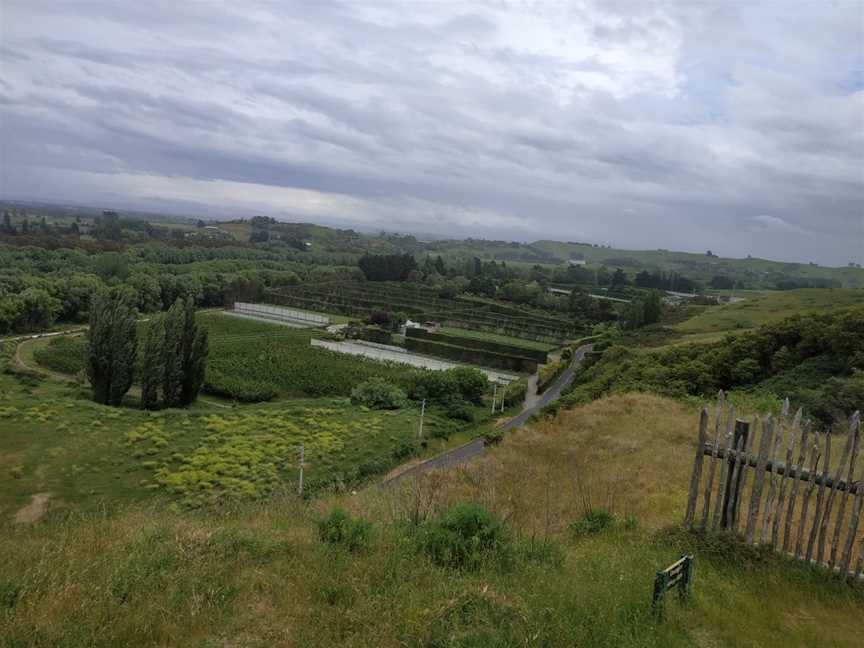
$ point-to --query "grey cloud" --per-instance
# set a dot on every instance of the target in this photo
(647, 125)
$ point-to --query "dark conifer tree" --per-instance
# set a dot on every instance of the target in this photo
(111, 346)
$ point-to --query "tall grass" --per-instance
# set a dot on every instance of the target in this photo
(260, 575)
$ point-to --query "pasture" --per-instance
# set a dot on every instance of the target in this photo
(769, 308)
(56, 440)
(258, 575)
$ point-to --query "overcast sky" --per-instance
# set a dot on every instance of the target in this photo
(731, 125)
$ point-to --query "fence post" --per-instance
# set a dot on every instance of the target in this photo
(685, 585)
(730, 497)
(759, 479)
(661, 582)
(697, 469)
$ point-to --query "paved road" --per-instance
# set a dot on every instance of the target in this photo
(469, 451)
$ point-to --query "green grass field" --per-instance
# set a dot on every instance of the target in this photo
(768, 308)
(257, 574)
(56, 440)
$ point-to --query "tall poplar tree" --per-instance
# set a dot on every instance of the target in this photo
(195, 348)
(184, 348)
(111, 346)
(172, 355)
(152, 363)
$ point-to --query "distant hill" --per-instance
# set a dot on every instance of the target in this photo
(751, 273)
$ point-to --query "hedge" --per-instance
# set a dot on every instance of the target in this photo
(374, 334)
(474, 343)
(471, 356)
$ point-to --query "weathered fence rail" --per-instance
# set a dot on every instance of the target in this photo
(797, 497)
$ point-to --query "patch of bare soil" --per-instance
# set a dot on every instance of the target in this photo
(37, 507)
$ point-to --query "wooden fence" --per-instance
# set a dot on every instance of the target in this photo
(777, 482)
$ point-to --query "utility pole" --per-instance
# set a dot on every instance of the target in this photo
(422, 412)
(302, 457)
(494, 394)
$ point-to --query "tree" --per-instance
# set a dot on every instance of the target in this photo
(8, 227)
(652, 308)
(111, 346)
(387, 267)
(722, 283)
(184, 349)
(619, 280)
(172, 355)
(39, 309)
(439, 265)
(195, 347)
(152, 363)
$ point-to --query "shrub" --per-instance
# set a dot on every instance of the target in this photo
(458, 409)
(464, 383)
(593, 521)
(376, 393)
(471, 383)
(432, 385)
(491, 437)
(339, 529)
(64, 354)
(466, 537)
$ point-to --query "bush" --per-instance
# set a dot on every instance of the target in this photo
(593, 521)
(471, 383)
(466, 537)
(64, 354)
(376, 393)
(339, 529)
(462, 383)
(493, 437)
(432, 385)
(458, 409)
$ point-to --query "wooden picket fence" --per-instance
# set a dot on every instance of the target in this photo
(780, 507)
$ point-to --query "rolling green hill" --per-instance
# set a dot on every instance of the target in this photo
(752, 272)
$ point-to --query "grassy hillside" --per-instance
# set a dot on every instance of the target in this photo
(258, 575)
(55, 440)
(816, 359)
(769, 308)
(752, 271)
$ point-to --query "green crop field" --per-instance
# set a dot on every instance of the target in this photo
(250, 360)
(502, 339)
